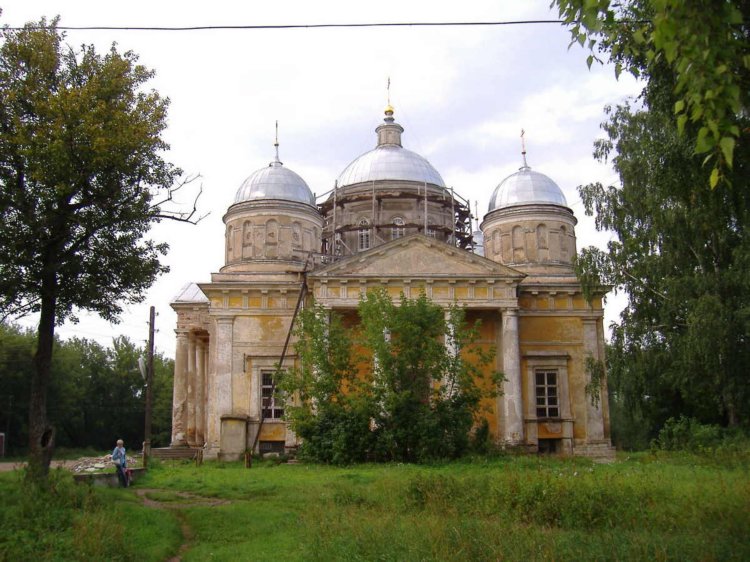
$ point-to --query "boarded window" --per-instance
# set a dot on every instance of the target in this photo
(272, 447)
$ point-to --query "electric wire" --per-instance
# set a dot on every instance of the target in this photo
(308, 25)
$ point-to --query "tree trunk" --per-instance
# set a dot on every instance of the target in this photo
(41, 433)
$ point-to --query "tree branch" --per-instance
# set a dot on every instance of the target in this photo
(180, 216)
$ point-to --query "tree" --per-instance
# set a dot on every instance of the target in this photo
(407, 385)
(96, 393)
(682, 255)
(705, 44)
(80, 164)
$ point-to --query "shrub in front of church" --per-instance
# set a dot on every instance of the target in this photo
(403, 384)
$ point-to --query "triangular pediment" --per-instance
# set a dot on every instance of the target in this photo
(416, 256)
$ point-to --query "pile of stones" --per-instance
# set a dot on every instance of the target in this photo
(95, 464)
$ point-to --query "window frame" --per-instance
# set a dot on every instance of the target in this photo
(398, 228)
(276, 411)
(364, 241)
(547, 393)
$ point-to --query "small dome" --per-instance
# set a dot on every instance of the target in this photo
(526, 186)
(390, 162)
(275, 182)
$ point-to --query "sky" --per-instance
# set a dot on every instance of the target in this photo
(462, 94)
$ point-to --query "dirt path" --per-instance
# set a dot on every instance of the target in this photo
(191, 500)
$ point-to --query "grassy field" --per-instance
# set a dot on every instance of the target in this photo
(514, 508)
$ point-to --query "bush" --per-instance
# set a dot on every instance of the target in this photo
(708, 443)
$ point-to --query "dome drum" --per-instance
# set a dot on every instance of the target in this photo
(270, 231)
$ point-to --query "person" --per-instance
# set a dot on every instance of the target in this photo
(121, 462)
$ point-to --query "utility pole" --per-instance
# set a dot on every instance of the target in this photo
(149, 388)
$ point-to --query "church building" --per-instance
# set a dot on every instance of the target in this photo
(391, 222)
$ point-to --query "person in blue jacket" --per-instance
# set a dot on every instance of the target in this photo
(121, 462)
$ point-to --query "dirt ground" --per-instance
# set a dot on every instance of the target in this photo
(8, 466)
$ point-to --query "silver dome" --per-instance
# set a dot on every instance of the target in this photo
(275, 182)
(526, 186)
(390, 162)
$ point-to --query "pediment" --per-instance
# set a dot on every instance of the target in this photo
(416, 256)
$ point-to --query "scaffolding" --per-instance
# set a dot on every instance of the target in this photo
(335, 225)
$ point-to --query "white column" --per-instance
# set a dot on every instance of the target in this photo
(512, 396)
(200, 378)
(452, 348)
(594, 418)
(190, 434)
(179, 394)
(220, 393)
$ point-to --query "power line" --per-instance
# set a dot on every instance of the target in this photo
(295, 26)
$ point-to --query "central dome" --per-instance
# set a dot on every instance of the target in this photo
(389, 160)
(275, 182)
(390, 163)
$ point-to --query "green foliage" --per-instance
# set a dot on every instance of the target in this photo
(80, 153)
(681, 253)
(703, 44)
(639, 509)
(405, 397)
(596, 375)
(61, 520)
(689, 435)
(81, 159)
(97, 394)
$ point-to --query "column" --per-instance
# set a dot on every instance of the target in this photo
(190, 434)
(179, 394)
(200, 378)
(452, 348)
(220, 387)
(594, 417)
(512, 396)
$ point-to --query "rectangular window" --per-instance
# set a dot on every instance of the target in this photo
(273, 402)
(547, 401)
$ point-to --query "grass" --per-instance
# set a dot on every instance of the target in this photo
(644, 507)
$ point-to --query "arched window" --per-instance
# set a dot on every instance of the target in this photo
(541, 237)
(398, 230)
(563, 243)
(363, 237)
(518, 245)
(542, 242)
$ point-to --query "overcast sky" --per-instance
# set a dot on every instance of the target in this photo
(463, 94)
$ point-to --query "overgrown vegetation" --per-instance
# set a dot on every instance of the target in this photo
(665, 506)
(679, 250)
(61, 520)
(405, 383)
(96, 393)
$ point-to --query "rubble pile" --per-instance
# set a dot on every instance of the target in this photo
(95, 464)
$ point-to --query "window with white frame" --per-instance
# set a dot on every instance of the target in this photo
(363, 236)
(272, 400)
(547, 395)
(398, 230)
